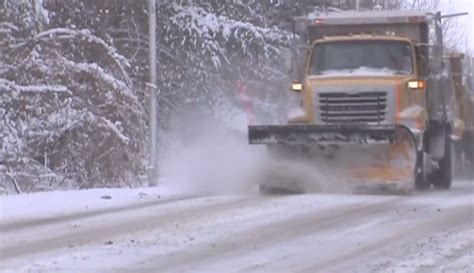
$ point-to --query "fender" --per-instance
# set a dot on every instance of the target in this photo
(415, 119)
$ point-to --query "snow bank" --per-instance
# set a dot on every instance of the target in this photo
(57, 203)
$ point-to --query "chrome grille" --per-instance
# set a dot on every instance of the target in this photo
(361, 107)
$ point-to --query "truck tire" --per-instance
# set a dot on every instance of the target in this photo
(444, 175)
(421, 183)
(468, 147)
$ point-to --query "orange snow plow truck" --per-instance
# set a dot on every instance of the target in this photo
(373, 89)
(462, 108)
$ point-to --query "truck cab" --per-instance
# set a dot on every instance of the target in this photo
(363, 79)
(367, 68)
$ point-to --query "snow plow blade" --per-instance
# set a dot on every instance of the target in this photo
(364, 155)
(307, 134)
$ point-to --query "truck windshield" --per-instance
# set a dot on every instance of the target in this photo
(350, 58)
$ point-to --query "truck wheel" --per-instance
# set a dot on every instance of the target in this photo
(444, 175)
(420, 182)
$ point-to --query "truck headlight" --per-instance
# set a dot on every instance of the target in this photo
(297, 87)
(416, 84)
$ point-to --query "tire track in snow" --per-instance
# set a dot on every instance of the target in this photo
(23, 224)
(123, 226)
(352, 257)
(264, 236)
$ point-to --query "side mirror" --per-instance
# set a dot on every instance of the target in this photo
(296, 87)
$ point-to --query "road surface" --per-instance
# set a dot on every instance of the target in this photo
(422, 232)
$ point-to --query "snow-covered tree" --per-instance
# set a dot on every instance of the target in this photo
(73, 81)
(71, 114)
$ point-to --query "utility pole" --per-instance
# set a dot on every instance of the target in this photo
(153, 160)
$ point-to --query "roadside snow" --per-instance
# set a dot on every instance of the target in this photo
(451, 251)
(58, 203)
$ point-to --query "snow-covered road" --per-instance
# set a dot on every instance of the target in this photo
(154, 231)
